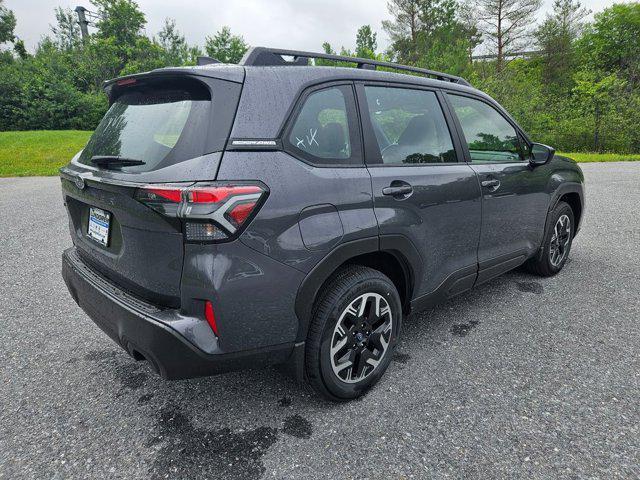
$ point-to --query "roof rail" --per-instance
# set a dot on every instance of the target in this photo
(262, 57)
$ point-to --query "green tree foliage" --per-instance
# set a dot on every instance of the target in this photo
(506, 25)
(7, 23)
(556, 37)
(582, 92)
(66, 31)
(366, 42)
(431, 34)
(226, 47)
(176, 49)
(612, 42)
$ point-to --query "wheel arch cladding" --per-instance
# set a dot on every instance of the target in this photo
(395, 257)
(574, 201)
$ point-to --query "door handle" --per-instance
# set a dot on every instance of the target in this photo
(398, 191)
(493, 184)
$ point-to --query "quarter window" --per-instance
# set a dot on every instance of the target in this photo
(409, 126)
(490, 137)
(322, 131)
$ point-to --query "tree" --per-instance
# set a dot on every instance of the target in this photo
(66, 31)
(225, 47)
(430, 34)
(556, 37)
(403, 30)
(120, 19)
(177, 51)
(506, 25)
(7, 24)
(469, 21)
(611, 43)
(366, 43)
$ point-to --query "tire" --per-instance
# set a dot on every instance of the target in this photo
(368, 343)
(550, 261)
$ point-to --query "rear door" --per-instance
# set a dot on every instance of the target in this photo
(421, 189)
(514, 198)
(167, 129)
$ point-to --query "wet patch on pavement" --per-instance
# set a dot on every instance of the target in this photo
(401, 357)
(463, 329)
(189, 452)
(130, 376)
(146, 398)
(297, 426)
(530, 287)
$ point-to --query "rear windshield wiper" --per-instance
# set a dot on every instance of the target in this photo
(114, 161)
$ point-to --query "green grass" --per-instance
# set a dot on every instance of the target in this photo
(40, 152)
(43, 152)
(583, 157)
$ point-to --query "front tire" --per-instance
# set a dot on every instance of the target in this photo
(354, 329)
(557, 242)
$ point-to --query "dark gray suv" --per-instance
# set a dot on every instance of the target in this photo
(277, 212)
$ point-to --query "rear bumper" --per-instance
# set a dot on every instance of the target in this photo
(145, 331)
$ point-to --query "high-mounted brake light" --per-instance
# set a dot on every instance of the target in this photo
(213, 212)
(126, 81)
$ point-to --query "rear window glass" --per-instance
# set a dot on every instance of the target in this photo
(158, 124)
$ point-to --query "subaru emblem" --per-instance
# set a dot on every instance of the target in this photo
(79, 181)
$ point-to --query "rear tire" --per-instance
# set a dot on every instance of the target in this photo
(557, 242)
(354, 328)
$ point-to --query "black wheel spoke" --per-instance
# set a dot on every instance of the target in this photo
(361, 337)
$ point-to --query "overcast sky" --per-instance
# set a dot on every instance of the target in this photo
(293, 24)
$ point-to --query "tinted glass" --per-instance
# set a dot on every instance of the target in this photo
(409, 126)
(158, 126)
(321, 129)
(490, 137)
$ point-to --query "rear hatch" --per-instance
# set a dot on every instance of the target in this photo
(162, 129)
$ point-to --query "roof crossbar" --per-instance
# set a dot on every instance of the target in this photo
(262, 57)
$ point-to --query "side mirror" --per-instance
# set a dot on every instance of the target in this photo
(541, 154)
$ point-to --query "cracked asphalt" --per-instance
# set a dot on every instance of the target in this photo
(521, 378)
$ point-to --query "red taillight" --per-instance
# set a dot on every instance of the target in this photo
(241, 212)
(210, 315)
(212, 212)
(218, 194)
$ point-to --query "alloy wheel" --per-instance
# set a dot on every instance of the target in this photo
(560, 239)
(361, 337)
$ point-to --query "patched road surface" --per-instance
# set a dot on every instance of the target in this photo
(521, 378)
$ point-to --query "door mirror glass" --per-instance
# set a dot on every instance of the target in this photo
(541, 154)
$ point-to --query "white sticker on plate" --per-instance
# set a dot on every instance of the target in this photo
(98, 228)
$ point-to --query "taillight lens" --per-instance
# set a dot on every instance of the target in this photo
(212, 212)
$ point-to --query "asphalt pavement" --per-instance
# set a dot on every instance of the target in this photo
(521, 378)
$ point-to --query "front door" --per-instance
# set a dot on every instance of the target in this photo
(514, 198)
(421, 190)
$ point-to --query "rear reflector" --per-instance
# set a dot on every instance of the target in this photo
(211, 317)
(213, 212)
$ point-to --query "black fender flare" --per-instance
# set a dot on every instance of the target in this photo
(563, 189)
(398, 245)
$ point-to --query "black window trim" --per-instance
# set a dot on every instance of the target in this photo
(520, 134)
(353, 119)
(371, 147)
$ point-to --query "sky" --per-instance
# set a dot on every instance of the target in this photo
(291, 24)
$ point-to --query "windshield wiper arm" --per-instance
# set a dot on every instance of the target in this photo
(114, 161)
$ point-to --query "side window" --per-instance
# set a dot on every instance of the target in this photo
(490, 137)
(322, 132)
(409, 126)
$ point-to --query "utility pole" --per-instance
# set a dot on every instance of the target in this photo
(84, 23)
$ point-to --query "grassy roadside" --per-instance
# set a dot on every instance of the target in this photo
(584, 157)
(43, 152)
